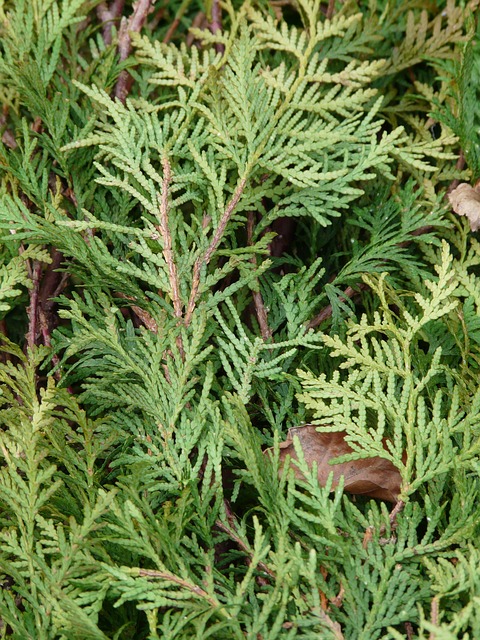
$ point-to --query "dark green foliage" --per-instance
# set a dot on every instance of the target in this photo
(252, 237)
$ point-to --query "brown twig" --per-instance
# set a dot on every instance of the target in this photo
(334, 627)
(392, 517)
(108, 16)
(32, 309)
(327, 311)
(434, 610)
(7, 136)
(45, 332)
(164, 231)
(52, 285)
(141, 9)
(45, 288)
(171, 30)
(8, 139)
(198, 22)
(144, 317)
(216, 24)
(260, 310)
(338, 599)
(330, 9)
(398, 508)
(205, 259)
(53, 282)
(156, 19)
(176, 21)
(323, 598)
(171, 577)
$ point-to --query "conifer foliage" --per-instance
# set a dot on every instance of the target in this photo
(221, 221)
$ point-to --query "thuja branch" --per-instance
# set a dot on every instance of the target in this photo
(205, 259)
(141, 9)
(351, 292)
(325, 313)
(233, 535)
(331, 624)
(185, 584)
(164, 231)
(144, 317)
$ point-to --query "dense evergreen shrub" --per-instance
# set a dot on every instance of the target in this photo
(220, 222)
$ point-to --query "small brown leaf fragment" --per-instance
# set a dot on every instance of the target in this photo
(465, 201)
(373, 477)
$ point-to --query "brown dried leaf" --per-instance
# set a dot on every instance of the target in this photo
(373, 477)
(465, 201)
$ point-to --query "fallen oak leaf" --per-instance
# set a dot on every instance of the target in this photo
(374, 477)
(465, 201)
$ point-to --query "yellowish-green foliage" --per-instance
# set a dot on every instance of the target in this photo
(220, 221)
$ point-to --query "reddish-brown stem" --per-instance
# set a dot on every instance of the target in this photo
(44, 290)
(205, 259)
(398, 508)
(171, 30)
(216, 24)
(144, 317)
(260, 310)
(434, 611)
(7, 136)
(45, 331)
(156, 19)
(227, 214)
(164, 231)
(108, 15)
(32, 309)
(330, 9)
(171, 577)
(53, 282)
(197, 23)
(176, 21)
(327, 311)
(338, 599)
(141, 9)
